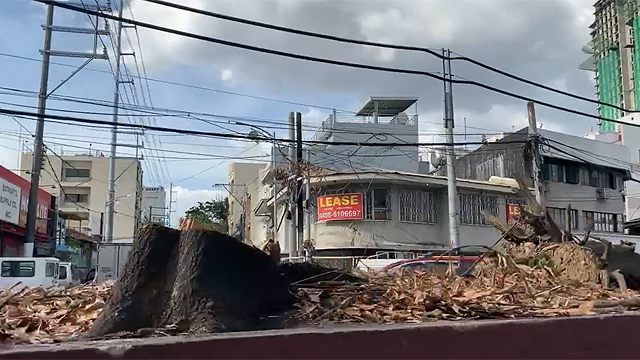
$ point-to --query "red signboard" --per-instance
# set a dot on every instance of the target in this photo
(513, 211)
(340, 207)
(44, 200)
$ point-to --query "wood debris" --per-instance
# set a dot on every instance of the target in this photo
(508, 290)
(32, 315)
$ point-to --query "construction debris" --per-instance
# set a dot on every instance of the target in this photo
(37, 315)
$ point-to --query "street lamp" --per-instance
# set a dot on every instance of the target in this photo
(258, 134)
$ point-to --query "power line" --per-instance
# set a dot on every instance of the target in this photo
(190, 86)
(319, 60)
(381, 45)
(235, 136)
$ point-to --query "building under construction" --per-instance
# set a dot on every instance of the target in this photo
(614, 57)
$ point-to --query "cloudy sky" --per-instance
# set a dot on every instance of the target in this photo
(537, 39)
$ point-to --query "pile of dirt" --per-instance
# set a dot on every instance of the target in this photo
(567, 261)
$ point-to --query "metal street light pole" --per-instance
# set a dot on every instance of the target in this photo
(274, 219)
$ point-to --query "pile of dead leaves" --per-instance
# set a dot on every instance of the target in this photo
(36, 314)
(507, 290)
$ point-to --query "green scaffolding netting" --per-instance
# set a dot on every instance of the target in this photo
(635, 25)
(609, 88)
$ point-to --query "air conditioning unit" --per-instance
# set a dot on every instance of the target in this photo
(600, 195)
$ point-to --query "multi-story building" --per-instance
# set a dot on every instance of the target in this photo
(154, 205)
(615, 57)
(241, 177)
(398, 208)
(381, 120)
(80, 181)
(583, 178)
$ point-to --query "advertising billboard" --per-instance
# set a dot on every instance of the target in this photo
(44, 201)
(9, 202)
(513, 211)
(340, 207)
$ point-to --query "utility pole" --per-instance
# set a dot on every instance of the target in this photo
(38, 146)
(299, 197)
(292, 191)
(536, 160)
(451, 175)
(275, 190)
(114, 129)
(307, 208)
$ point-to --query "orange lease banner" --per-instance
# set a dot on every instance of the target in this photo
(513, 211)
(340, 207)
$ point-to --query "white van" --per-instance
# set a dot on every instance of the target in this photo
(68, 274)
(29, 271)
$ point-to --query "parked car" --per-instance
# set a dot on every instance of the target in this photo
(436, 263)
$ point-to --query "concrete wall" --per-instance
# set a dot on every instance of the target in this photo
(241, 176)
(128, 190)
(630, 136)
(154, 199)
(395, 234)
(337, 157)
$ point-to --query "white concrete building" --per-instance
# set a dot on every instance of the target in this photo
(80, 182)
(154, 205)
(241, 177)
(381, 120)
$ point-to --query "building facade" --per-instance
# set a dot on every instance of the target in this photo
(14, 202)
(583, 179)
(241, 177)
(615, 57)
(380, 120)
(154, 205)
(81, 183)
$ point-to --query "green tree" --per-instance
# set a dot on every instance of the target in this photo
(210, 212)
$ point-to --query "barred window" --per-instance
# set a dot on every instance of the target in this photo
(603, 222)
(559, 216)
(418, 206)
(376, 204)
(473, 207)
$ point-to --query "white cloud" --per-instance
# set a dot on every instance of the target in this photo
(186, 198)
(226, 75)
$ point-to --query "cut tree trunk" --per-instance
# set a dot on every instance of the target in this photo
(202, 281)
(143, 288)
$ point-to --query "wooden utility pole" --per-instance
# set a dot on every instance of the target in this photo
(536, 159)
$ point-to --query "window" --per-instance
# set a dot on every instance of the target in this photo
(559, 216)
(575, 221)
(63, 273)
(418, 206)
(18, 268)
(76, 198)
(473, 207)
(50, 269)
(77, 173)
(603, 222)
(556, 173)
(376, 204)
